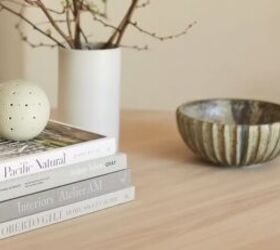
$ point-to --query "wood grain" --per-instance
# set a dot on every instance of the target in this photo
(181, 203)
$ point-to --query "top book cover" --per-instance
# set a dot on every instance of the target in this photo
(55, 135)
(58, 145)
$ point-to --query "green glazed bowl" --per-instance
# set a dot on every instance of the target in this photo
(231, 132)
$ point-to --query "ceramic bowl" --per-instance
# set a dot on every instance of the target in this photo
(231, 132)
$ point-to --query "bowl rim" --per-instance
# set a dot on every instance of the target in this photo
(192, 102)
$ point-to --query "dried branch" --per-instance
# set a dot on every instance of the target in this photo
(68, 21)
(123, 26)
(18, 3)
(35, 45)
(58, 12)
(126, 21)
(33, 3)
(56, 20)
(26, 20)
(44, 9)
(135, 47)
(71, 15)
(84, 37)
(162, 38)
(76, 14)
(87, 7)
(105, 24)
(25, 38)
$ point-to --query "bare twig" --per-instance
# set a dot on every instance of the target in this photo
(42, 6)
(84, 36)
(18, 3)
(35, 45)
(70, 16)
(162, 38)
(122, 26)
(56, 20)
(85, 6)
(135, 47)
(25, 38)
(77, 33)
(26, 20)
(105, 24)
(67, 16)
(33, 3)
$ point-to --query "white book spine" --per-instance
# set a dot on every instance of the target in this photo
(57, 215)
(57, 158)
(50, 179)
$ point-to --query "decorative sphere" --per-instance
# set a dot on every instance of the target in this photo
(24, 110)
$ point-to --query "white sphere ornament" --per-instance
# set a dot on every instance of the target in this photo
(24, 110)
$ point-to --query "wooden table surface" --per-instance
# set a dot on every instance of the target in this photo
(182, 203)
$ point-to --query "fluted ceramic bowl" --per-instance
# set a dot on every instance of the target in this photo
(231, 132)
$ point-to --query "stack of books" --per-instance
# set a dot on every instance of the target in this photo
(64, 173)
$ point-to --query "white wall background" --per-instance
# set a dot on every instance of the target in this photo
(11, 50)
(232, 51)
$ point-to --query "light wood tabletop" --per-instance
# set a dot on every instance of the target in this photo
(182, 202)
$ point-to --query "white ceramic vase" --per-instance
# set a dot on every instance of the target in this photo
(89, 89)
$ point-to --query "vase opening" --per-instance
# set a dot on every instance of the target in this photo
(95, 46)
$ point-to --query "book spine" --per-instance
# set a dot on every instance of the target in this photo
(49, 179)
(71, 211)
(57, 158)
(64, 195)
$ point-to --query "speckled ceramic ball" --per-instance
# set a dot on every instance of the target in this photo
(24, 110)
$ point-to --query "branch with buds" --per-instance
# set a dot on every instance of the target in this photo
(70, 14)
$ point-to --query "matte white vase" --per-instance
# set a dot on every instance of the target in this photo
(89, 89)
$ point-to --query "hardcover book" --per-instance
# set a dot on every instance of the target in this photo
(73, 173)
(57, 146)
(64, 195)
(67, 212)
